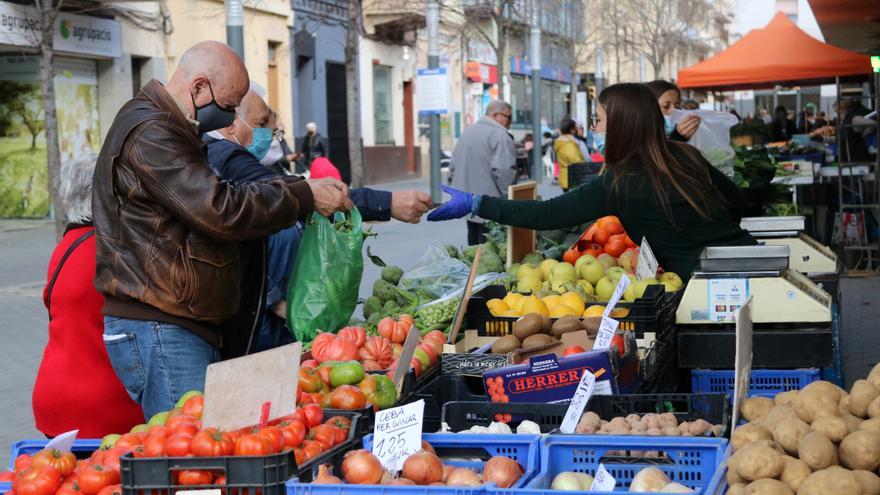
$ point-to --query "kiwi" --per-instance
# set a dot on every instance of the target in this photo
(536, 340)
(592, 325)
(526, 325)
(546, 324)
(567, 324)
(506, 344)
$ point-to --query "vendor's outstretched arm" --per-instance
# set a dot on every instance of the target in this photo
(580, 205)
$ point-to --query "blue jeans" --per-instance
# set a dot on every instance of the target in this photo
(156, 362)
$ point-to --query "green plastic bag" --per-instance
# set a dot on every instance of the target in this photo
(323, 288)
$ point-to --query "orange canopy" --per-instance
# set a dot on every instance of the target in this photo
(779, 53)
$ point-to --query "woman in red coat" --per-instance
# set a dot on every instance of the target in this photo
(76, 388)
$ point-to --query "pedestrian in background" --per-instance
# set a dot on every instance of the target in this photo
(484, 161)
(312, 147)
(568, 150)
(76, 387)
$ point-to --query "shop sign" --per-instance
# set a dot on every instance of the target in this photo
(480, 51)
(20, 68)
(20, 26)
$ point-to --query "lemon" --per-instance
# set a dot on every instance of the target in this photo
(562, 310)
(551, 301)
(574, 301)
(497, 307)
(620, 312)
(593, 311)
(512, 299)
(534, 305)
(510, 313)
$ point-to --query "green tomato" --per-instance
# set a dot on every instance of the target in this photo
(379, 391)
(186, 396)
(423, 358)
(140, 428)
(347, 373)
(109, 441)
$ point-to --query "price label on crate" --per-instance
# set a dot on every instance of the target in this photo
(603, 481)
(647, 265)
(578, 402)
(398, 433)
(605, 334)
(615, 297)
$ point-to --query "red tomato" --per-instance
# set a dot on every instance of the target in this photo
(346, 397)
(299, 414)
(110, 490)
(154, 446)
(64, 462)
(309, 380)
(314, 414)
(324, 435)
(22, 462)
(95, 477)
(300, 456)
(324, 373)
(309, 363)
(7, 476)
(194, 406)
(158, 430)
(274, 434)
(253, 444)
(211, 442)
(129, 441)
(311, 398)
(294, 432)
(110, 459)
(339, 435)
(312, 449)
(221, 480)
(189, 429)
(340, 422)
(194, 477)
(182, 418)
(178, 445)
(573, 349)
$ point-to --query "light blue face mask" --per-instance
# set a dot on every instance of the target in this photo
(668, 125)
(599, 142)
(261, 141)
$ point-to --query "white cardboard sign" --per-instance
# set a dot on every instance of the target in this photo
(647, 265)
(605, 334)
(603, 481)
(743, 359)
(397, 434)
(615, 297)
(578, 402)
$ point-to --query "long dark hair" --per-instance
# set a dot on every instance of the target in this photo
(659, 86)
(635, 139)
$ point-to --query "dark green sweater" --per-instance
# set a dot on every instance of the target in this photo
(677, 247)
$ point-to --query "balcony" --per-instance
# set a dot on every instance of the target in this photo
(393, 21)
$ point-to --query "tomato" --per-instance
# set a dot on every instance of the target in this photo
(324, 435)
(324, 372)
(330, 347)
(189, 429)
(154, 446)
(129, 441)
(379, 391)
(357, 335)
(348, 373)
(314, 414)
(432, 354)
(423, 357)
(64, 462)
(300, 456)
(182, 418)
(294, 432)
(194, 477)
(253, 444)
(95, 477)
(22, 462)
(274, 434)
(37, 481)
(339, 435)
(347, 397)
(211, 442)
(7, 476)
(340, 422)
(312, 449)
(221, 481)
(178, 445)
(71, 488)
(158, 431)
(311, 398)
(299, 414)
(194, 406)
(395, 331)
(326, 402)
(110, 459)
(573, 349)
(309, 380)
(309, 363)
(111, 490)
(173, 413)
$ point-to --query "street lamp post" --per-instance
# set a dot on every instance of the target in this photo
(235, 26)
(433, 24)
(535, 61)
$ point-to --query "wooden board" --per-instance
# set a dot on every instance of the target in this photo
(236, 389)
(521, 242)
(465, 297)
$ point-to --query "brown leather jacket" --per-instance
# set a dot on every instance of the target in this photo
(167, 227)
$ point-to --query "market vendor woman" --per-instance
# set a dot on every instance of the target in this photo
(660, 189)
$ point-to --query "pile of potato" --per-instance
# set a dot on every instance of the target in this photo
(820, 440)
(665, 424)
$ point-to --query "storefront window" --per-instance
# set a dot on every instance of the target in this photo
(521, 100)
(554, 103)
(382, 104)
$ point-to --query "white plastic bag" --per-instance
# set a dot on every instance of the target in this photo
(712, 137)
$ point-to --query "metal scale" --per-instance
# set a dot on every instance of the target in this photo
(791, 314)
(807, 256)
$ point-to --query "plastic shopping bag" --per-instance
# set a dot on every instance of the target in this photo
(712, 137)
(323, 288)
(436, 273)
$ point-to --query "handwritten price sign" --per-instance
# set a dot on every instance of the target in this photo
(578, 402)
(397, 434)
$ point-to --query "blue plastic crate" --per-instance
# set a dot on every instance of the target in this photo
(693, 462)
(764, 382)
(82, 448)
(525, 449)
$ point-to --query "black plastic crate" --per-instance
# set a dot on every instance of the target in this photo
(582, 172)
(461, 415)
(658, 369)
(774, 346)
(444, 389)
(648, 314)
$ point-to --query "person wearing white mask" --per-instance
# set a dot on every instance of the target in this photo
(669, 98)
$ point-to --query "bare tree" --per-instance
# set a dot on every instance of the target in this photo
(352, 102)
(664, 25)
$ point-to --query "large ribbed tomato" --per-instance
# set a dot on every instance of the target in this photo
(329, 347)
(357, 335)
(377, 349)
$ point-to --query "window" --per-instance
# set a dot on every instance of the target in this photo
(382, 104)
(521, 100)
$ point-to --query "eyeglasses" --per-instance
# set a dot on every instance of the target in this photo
(278, 134)
(505, 115)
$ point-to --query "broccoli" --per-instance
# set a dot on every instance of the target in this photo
(534, 258)
(384, 290)
(452, 251)
(371, 306)
(468, 253)
(490, 247)
(502, 249)
(392, 274)
(490, 262)
(390, 307)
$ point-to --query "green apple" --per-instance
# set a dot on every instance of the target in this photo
(109, 441)
(583, 260)
(186, 396)
(607, 260)
(614, 273)
(629, 295)
(591, 271)
(532, 283)
(159, 418)
(527, 271)
(605, 288)
(586, 286)
(545, 268)
(671, 280)
(140, 428)
(563, 272)
(628, 260)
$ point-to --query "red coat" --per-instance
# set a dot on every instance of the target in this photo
(76, 388)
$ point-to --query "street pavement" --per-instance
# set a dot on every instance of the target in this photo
(26, 246)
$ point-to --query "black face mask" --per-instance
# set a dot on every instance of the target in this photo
(212, 116)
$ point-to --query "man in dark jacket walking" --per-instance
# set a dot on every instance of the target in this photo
(167, 228)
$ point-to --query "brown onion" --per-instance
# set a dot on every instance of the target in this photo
(325, 476)
(502, 471)
(462, 476)
(427, 446)
(446, 470)
(423, 467)
(360, 467)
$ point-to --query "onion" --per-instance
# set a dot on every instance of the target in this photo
(648, 480)
(423, 467)
(427, 446)
(676, 488)
(462, 476)
(360, 467)
(502, 471)
(402, 481)
(446, 470)
(325, 476)
(571, 482)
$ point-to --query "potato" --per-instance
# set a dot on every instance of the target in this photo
(777, 414)
(860, 396)
(833, 427)
(668, 419)
(874, 376)
(758, 460)
(788, 434)
(700, 427)
(732, 477)
(756, 408)
(874, 408)
(783, 398)
(824, 388)
(861, 450)
(768, 486)
(852, 422)
(870, 424)
(747, 434)
(794, 472)
(809, 406)
(834, 480)
(816, 450)
(737, 489)
(869, 482)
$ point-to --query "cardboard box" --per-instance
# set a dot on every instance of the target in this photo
(459, 358)
(543, 375)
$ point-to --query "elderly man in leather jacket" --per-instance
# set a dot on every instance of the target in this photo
(167, 228)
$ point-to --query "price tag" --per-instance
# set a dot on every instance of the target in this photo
(398, 433)
(647, 264)
(615, 297)
(605, 334)
(63, 442)
(603, 481)
(578, 402)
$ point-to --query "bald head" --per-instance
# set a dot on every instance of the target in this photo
(209, 68)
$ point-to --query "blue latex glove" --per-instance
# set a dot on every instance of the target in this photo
(460, 204)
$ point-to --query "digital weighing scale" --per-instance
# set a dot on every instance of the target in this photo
(791, 314)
